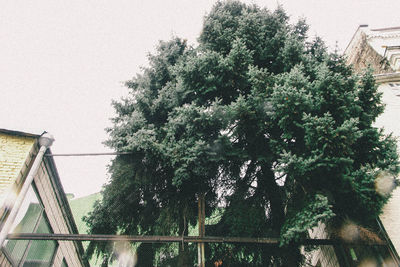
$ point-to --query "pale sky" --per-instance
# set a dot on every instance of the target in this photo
(62, 62)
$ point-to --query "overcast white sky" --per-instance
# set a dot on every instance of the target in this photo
(61, 62)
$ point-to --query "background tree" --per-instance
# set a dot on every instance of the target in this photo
(262, 122)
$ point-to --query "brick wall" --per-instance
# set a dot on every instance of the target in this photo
(14, 151)
(16, 156)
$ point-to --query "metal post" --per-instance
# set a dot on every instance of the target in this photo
(202, 215)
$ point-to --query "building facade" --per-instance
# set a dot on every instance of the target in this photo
(379, 49)
(32, 200)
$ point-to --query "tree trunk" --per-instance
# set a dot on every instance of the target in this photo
(183, 257)
(268, 185)
(202, 217)
(290, 256)
(145, 253)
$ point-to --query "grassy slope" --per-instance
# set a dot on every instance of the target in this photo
(81, 207)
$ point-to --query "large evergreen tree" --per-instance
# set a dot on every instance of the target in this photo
(257, 119)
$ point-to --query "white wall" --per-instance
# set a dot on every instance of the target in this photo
(390, 121)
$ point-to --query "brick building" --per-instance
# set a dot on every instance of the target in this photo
(32, 200)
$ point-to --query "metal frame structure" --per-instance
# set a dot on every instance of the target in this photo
(186, 239)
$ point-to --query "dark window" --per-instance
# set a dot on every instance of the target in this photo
(31, 218)
(378, 256)
(395, 88)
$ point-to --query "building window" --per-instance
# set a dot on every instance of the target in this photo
(378, 256)
(31, 218)
(395, 88)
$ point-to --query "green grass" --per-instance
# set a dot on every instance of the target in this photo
(81, 207)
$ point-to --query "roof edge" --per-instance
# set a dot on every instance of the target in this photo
(353, 38)
(386, 29)
(19, 133)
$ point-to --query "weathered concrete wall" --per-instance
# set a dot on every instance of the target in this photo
(361, 55)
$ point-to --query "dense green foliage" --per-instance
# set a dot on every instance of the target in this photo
(262, 121)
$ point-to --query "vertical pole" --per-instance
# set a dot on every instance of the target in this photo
(202, 215)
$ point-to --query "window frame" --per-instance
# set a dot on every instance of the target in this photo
(41, 216)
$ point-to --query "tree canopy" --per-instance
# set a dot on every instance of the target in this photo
(275, 131)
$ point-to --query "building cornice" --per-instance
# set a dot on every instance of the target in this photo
(387, 77)
(383, 35)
